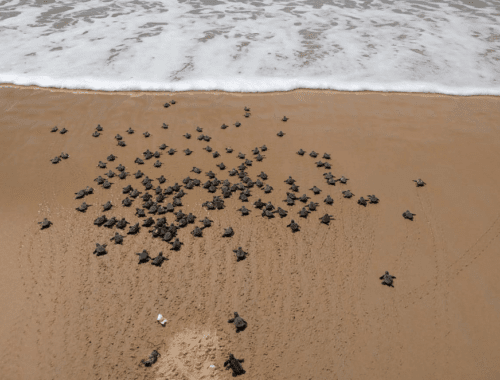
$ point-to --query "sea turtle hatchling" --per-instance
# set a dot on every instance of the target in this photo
(162, 179)
(197, 232)
(55, 160)
(158, 260)
(154, 355)
(319, 164)
(328, 200)
(263, 148)
(246, 109)
(176, 244)
(259, 204)
(228, 232)
(107, 206)
(127, 202)
(247, 114)
(408, 215)
(164, 126)
(187, 135)
(267, 213)
(156, 154)
(96, 134)
(343, 180)
(294, 188)
(315, 190)
(45, 223)
(110, 174)
(373, 199)
(139, 174)
(244, 211)
(301, 152)
(63, 131)
(139, 161)
(238, 322)
(117, 238)
(347, 194)
(122, 223)
(157, 164)
(303, 198)
(135, 193)
(303, 213)
(106, 184)
(133, 229)
(118, 137)
(362, 201)
(223, 126)
(259, 158)
(280, 134)
(289, 180)
(326, 218)
(146, 134)
(388, 279)
(215, 154)
(111, 157)
(235, 365)
(143, 256)
(163, 146)
(111, 222)
(207, 222)
(64, 156)
(282, 213)
(83, 207)
(130, 131)
(199, 129)
(207, 138)
(171, 151)
(54, 129)
(294, 226)
(121, 143)
(326, 156)
(187, 151)
(120, 168)
(100, 220)
(312, 206)
(237, 124)
(419, 182)
(148, 222)
(284, 118)
(100, 249)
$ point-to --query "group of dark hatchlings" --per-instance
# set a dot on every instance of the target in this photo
(154, 203)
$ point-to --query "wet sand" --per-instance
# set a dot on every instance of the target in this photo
(313, 300)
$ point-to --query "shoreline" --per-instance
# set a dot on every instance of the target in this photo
(298, 90)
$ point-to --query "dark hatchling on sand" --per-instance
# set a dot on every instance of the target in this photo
(176, 244)
(127, 202)
(164, 126)
(143, 256)
(133, 229)
(117, 238)
(55, 160)
(315, 190)
(130, 131)
(54, 129)
(419, 182)
(110, 223)
(107, 206)
(45, 223)
(235, 365)
(121, 143)
(64, 155)
(110, 174)
(238, 322)
(313, 154)
(280, 134)
(347, 194)
(100, 249)
(100, 220)
(303, 213)
(326, 218)
(282, 213)
(328, 200)
(408, 215)
(244, 211)
(228, 232)
(294, 226)
(158, 260)
(197, 232)
(96, 134)
(83, 207)
(163, 147)
(300, 152)
(373, 199)
(362, 201)
(312, 206)
(63, 131)
(122, 223)
(387, 279)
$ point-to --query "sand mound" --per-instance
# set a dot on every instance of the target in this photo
(189, 357)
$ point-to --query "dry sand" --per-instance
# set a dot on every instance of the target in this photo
(313, 301)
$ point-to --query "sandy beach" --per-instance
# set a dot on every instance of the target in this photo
(313, 300)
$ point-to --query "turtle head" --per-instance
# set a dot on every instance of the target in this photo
(235, 314)
(386, 272)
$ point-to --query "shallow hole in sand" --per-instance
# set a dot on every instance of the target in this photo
(189, 356)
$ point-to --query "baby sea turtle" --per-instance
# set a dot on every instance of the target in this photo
(248, 162)
(259, 157)
(228, 232)
(247, 114)
(215, 154)
(301, 152)
(289, 180)
(135, 193)
(201, 137)
(187, 135)
(303, 213)
(267, 189)
(243, 197)
(207, 222)
(282, 213)
(187, 151)
(326, 156)
(171, 151)
(419, 182)
(148, 222)
(98, 128)
(100, 220)
(110, 174)
(327, 165)
(127, 202)
(63, 131)
(118, 137)
(122, 223)
(117, 238)
(259, 204)
(319, 164)
(207, 138)
(110, 223)
(408, 215)
(166, 105)
(280, 134)
(121, 143)
(312, 206)
(328, 175)
(64, 155)
(289, 201)
(235, 365)
(96, 134)
(196, 170)
(223, 126)
(176, 244)
(120, 168)
(328, 200)
(199, 129)
(162, 179)
(294, 226)
(107, 206)
(183, 223)
(146, 134)
(143, 256)
(54, 129)
(163, 147)
(238, 322)
(263, 148)
(362, 201)
(133, 229)
(313, 154)
(83, 207)
(388, 279)
(130, 131)
(111, 157)
(264, 176)
(106, 184)
(157, 164)
(164, 126)
(373, 199)
(326, 218)
(221, 166)
(284, 118)
(259, 183)
(229, 150)
(55, 160)
(347, 194)
(158, 260)
(177, 202)
(267, 213)
(255, 151)
(208, 148)
(244, 210)
(148, 154)
(295, 188)
(45, 223)
(140, 212)
(315, 190)
(139, 161)
(331, 181)
(343, 180)
(303, 198)
(197, 232)
(246, 109)
(237, 124)
(100, 249)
